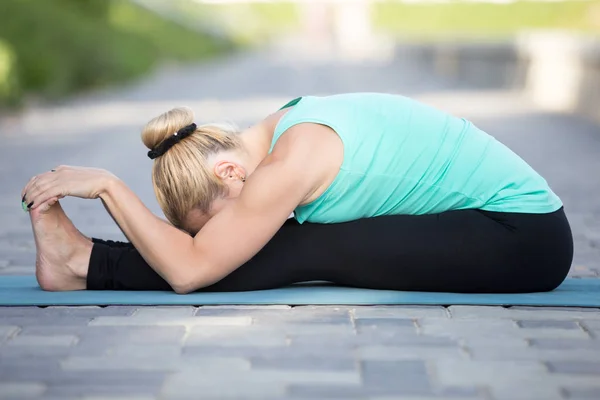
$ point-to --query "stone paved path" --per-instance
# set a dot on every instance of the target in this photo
(281, 352)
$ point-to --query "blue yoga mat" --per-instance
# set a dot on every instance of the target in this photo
(24, 291)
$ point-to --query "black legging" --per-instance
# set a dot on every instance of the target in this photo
(465, 251)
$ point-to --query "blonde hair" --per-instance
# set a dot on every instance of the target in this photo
(181, 177)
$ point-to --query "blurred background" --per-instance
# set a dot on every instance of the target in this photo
(53, 48)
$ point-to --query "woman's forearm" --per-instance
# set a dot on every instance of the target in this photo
(114, 220)
(169, 251)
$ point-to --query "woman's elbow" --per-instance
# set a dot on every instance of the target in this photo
(184, 284)
(190, 280)
(182, 288)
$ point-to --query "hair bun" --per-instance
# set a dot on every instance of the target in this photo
(161, 128)
(169, 142)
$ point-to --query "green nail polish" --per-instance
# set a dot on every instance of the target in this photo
(24, 205)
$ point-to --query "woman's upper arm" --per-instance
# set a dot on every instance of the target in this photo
(281, 182)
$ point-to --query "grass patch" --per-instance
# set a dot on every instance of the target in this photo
(484, 19)
(54, 47)
(247, 24)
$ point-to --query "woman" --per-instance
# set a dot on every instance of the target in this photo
(393, 193)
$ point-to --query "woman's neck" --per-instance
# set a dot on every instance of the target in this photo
(257, 139)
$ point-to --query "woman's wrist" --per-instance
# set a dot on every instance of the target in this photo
(110, 184)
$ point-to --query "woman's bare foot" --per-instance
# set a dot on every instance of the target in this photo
(63, 253)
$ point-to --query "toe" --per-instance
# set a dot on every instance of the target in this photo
(46, 206)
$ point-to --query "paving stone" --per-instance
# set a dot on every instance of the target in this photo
(164, 321)
(153, 362)
(574, 367)
(395, 377)
(593, 325)
(499, 328)
(165, 312)
(39, 340)
(582, 271)
(62, 397)
(41, 330)
(45, 370)
(468, 373)
(395, 338)
(7, 331)
(451, 393)
(522, 313)
(365, 324)
(76, 384)
(323, 310)
(372, 337)
(118, 398)
(17, 360)
(275, 328)
(40, 351)
(115, 389)
(319, 330)
(460, 391)
(400, 312)
(328, 392)
(433, 397)
(18, 270)
(525, 391)
(110, 377)
(260, 339)
(135, 351)
(21, 260)
(378, 352)
(522, 380)
(232, 311)
(106, 334)
(152, 335)
(25, 321)
(10, 390)
(553, 333)
(81, 311)
(553, 324)
(300, 320)
(255, 383)
(267, 376)
(491, 353)
(307, 363)
(577, 310)
(483, 341)
(592, 393)
(564, 344)
(305, 315)
(341, 351)
(235, 331)
(466, 328)
(188, 386)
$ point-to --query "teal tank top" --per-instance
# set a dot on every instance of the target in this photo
(404, 157)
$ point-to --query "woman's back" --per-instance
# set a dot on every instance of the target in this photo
(404, 157)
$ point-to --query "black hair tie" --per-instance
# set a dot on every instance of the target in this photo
(171, 141)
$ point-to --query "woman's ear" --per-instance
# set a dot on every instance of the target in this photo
(227, 170)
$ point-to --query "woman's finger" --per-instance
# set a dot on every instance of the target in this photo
(42, 197)
(34, 180)
(41, 185)
(34, 184)
(28, 186)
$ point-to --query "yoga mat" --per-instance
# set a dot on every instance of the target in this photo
(24, 291)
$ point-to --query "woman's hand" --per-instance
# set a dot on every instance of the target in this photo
(86, 183)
